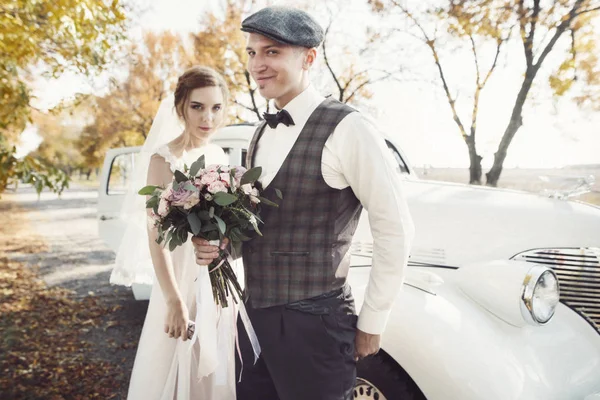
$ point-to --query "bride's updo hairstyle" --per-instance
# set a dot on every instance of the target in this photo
(194, 78)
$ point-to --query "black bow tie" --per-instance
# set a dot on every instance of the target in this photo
(282, 116)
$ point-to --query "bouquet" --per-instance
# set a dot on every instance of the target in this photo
(211, 202)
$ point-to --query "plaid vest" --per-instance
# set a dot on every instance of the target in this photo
(309, 234)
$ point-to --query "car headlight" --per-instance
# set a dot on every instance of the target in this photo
(517, 292)
(540, 295)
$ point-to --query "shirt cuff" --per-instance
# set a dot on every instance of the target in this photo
(372, 322)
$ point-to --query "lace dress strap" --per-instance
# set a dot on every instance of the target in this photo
(165, 152)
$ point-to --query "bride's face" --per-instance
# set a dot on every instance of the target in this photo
(204, 111)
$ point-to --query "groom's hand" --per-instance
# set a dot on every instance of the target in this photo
(205, 252)
(366, 344)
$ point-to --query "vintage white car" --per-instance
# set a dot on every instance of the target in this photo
(479, 317)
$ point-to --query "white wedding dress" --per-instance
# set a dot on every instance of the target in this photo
(167, 368)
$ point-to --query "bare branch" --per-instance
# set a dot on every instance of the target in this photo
(498, 48)
(431, 44)
(244, 106)
(560, 29)
(474, 49)
(533, 24)
(524, 37)
(337, 82)
(587, 11)
(251, 92)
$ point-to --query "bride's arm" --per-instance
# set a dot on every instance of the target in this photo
(159, 174)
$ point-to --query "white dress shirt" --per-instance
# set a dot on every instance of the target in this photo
(355, 155)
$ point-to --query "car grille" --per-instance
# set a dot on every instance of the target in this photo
(578, 272)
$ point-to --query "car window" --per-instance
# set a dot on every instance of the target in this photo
(401, 165)
(244, 152)
(120, 173)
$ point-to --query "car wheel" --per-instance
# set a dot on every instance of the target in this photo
(379, 377)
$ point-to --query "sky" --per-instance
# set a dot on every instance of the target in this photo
(415, 114)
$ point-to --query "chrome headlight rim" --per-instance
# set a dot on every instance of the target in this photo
(530, 283)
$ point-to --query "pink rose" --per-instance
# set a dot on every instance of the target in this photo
(153, 219)
(216, 187)
(168, 192)
(239, 172)
(209, 177)
(254, 196)
(198, 183)
(213, 167)
(225, 178)
(181, 196)
(224, 168)
(163, 207)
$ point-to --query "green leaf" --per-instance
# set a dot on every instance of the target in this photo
(204, 215)
(251, 175)
(175, 186)
(183, 236)
(255, 227)
(180, 176)
(239, 234)
(152, 202)
(195, 223)
(172, 244)
(279, 194)
(221, 224)
(148, 190)
(190, 187)
(197, 166)
(267, 201)
(224, 199)
(209, 227)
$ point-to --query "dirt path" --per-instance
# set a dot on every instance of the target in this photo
(57, 239)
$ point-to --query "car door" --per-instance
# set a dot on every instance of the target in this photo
(116, 177)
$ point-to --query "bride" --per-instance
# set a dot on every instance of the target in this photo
(168, 366)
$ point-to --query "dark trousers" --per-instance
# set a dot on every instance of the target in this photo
(307, 350)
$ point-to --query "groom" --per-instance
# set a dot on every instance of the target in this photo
(329, 162)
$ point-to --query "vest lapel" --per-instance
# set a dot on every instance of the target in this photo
(251, 149)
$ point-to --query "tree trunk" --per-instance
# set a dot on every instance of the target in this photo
(516, 120)
(475, 162)
(89, 172)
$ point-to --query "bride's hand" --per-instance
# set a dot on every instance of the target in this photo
(177, 319)
(205, 252)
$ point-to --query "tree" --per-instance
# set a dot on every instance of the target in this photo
(353, 74)
(124, 115)
(542, 28)
(51, 37)
(54, 36)
(28, 170)
(59, 132)
(220, 44)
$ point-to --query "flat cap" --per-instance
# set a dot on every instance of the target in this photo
(285, 25)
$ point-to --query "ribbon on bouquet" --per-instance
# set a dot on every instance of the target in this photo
(213, 330)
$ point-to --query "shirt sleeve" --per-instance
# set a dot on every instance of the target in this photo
(361, 156)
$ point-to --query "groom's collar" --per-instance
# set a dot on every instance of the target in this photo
(303, 105)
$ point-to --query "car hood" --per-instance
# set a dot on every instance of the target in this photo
(458, 224)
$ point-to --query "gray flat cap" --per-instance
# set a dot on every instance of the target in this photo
(285, 25)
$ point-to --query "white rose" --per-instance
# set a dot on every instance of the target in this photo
(163, 207)
(247, 188)
(191, 201)
(253, 196)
